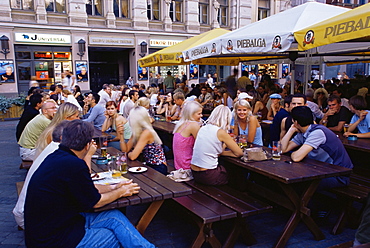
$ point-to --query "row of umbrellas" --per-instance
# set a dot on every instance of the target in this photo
(323, 29)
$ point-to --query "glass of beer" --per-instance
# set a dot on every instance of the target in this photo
(242, 141)
(168, 116)
(276, 150)
(103, 140)
(345, 128)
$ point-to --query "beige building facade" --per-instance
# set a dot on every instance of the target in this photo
(107, 37)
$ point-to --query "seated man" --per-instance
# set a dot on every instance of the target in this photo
(179, 100)
(316, 142)
(360, 119)
(204, 97)
(337, 115)
(33, 130)
(30, 112)
(61, 192)
(18, 210)
(96, 112)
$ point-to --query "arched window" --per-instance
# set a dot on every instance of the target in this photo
(153, 9)
(223, 12)
(94, 7)
(176, 10)
(120, 8)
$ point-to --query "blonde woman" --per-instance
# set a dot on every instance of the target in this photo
(209, 144)
(320, 97)
(145, 102)
(144, 140)
(112, 121)
(185, 133)
(67, 111)
(245, 123)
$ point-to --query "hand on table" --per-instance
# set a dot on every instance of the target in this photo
(346, 134)
(127, 188)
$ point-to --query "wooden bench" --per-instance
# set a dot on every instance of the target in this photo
(210, 204)
(25, 164)
(357, 190)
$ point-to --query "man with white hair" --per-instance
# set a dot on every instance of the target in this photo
(33, 130)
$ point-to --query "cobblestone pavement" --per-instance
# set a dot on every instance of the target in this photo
(170, 228)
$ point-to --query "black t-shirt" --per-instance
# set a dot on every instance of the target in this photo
(59, 190)
(343, 115)
(28, 114)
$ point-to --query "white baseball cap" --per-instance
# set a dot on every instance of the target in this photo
(244, 95)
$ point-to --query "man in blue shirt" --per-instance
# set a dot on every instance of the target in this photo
(360, 119)
(61, 192)
(95, 114)
(316, 142)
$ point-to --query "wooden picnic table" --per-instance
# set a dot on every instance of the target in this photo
(164, 126)
(305, 175)
(155, 188)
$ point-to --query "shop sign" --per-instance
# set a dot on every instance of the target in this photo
(111, 41)
(163, 43)
(43, 38)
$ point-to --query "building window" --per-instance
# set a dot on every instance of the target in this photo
(58, 6)
(203, 11)
(153, 9)
(120, 8)
(94, 7)
(176, 11)
(21, 4)
(362, 2)
(263, 9)
(223, 12)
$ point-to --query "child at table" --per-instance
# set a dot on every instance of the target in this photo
(209, 144)
(247, 124)
(144, 140)
(185, 133)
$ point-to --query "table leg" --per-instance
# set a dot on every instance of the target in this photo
(148, 216)
(301, 212)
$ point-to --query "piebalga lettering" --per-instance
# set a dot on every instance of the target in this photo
(251, 43)
(199, 51)
(347, 27)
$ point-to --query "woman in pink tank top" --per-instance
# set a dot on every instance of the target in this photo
(185, 133)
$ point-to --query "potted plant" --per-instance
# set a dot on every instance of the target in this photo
(11, 107)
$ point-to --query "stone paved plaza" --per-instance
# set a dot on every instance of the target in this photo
(170, 228)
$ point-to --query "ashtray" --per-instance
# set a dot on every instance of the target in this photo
(101, 160)
(352, 137)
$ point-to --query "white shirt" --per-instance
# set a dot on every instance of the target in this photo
(207, 147)
(104, 98)
(73, 100)
(18, 210)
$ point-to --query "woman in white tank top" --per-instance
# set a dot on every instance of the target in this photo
(209, 144)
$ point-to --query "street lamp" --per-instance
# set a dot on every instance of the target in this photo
(143, 48)
(81, 48)
(4, 45)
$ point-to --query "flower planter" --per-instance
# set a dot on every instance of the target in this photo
(14, 111)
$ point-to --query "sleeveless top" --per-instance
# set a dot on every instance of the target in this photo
(182, 149)
(207, 147)
(126, 130)
(257, 138)
(153, 154)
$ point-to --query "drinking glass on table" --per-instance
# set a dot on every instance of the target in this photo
(103, 140)
(276, 150)
(242, 141)
(345, 128)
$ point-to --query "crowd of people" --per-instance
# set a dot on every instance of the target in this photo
(55, 132)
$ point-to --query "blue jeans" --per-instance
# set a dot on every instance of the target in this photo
(110, 229)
